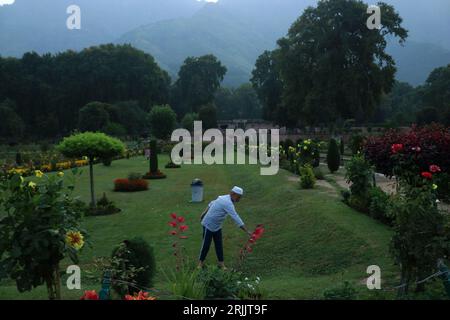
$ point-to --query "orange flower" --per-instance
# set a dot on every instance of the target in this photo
(139, 296)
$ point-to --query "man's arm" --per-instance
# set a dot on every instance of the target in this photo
(237, 219)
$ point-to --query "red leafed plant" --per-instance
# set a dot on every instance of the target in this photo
(130, 185)
(248, 247)
(139, 296)
(90, 295)
(178, 229)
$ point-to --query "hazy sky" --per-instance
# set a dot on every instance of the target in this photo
(2, 2)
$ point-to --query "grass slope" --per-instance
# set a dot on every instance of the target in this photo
(313, 242)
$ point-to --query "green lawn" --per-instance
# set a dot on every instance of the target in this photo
(313, 241)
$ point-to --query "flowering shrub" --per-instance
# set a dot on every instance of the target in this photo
(40, 228)
(422, 146)
(178, 229)
(307, 177)
(127, 185)
(417, 159)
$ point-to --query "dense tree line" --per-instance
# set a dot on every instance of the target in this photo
(422, 105)
(47, 92)
(118, 90)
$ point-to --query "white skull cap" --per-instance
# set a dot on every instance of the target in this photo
(238, 191)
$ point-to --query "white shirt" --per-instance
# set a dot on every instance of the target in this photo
(218, 211)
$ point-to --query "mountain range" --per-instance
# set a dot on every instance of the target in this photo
(236, 31)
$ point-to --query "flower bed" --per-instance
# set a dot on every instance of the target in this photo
(154, 175)
(130, 185)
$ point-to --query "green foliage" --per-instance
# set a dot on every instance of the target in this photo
(208, 115)
(419, 237)
(267, 83)
(307, 177)
(239, 103)
(92, 145)
(114, 129)
(93, 117)
(220, 284)
(162, 121)
(333, 156)
(134, 176)
(443, 183)
(198, 80)
(306, 68)
(136, 254)
(356, 143)
(379, 205)
(344, 291)
(12, 125)
(106, 73)
(188, 121)
(359, 174)
(33, 231)
(185, 283)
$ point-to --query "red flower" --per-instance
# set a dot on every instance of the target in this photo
(183, 237)
(183, 228)
(173, 224)
(435, 169)
(173, 232)
(173, 215)
(90, 295)
(396, 148)
(180, 219)
(427, 175)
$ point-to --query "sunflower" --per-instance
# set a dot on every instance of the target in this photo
(75, 239)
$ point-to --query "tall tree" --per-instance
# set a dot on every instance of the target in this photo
(199, 79)
(267, 83)
(333, 66)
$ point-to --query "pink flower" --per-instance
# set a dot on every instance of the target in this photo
(173, 215)
(180, 219)
(173, 224)
(183, 228)
(173, 232)
(435, 169)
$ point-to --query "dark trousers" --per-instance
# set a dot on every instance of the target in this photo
(208, 236)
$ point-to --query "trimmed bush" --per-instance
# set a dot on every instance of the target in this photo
(127, 185)
(104, 207)
(307, 178)
(333, 156)
(135, 254)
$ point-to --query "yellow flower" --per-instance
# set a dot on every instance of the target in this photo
(75, 239)
(38, 173)
(31, 184)
(60, 174)
(435, 186)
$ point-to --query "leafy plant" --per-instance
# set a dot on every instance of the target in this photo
(220, 284)
(40, 228)
(379, 205)
(307, 177)
(136, 255)
(359, 174)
